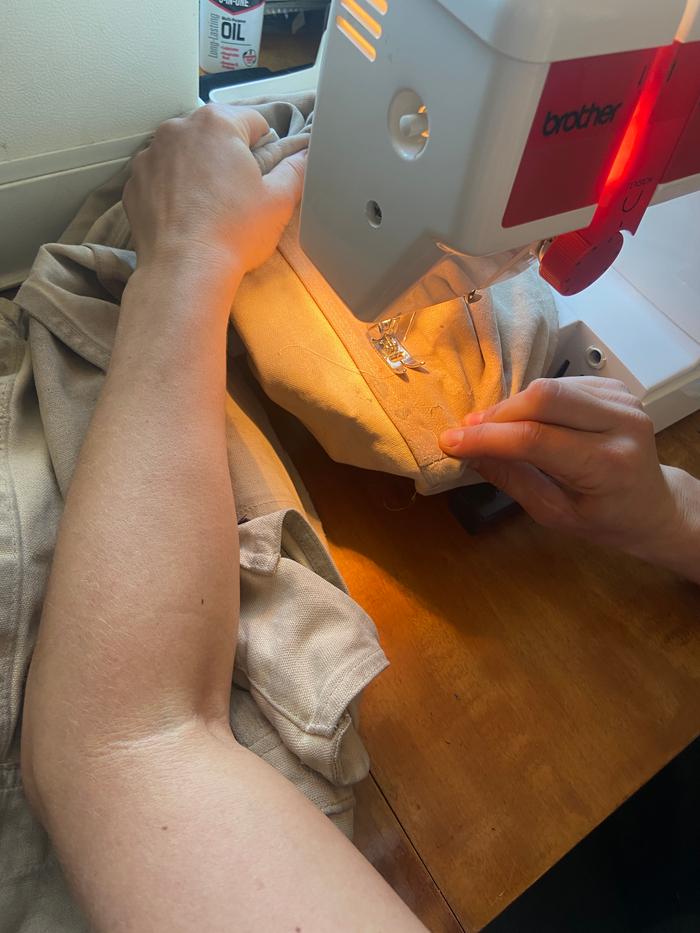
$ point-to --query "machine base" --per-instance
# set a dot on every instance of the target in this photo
(613, 331)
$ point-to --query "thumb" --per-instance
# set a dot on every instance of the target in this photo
(286, 181)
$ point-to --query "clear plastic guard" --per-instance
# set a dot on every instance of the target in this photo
(389, 336)
(504, 266)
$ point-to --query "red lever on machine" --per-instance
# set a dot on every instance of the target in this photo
(666, 107)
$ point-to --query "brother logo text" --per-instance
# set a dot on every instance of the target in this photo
(591, 115)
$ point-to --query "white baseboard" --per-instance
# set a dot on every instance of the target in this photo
(40, 195)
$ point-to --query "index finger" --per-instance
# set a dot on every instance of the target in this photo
(286, 181)
(249, 124)
(561, 453)
(556, 402)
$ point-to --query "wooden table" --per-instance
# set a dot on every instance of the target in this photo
(536, 683)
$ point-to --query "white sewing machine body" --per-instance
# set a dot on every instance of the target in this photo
(430, 125)
(640, 322)
(485, 77)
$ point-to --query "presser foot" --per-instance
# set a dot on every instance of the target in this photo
(384, 338)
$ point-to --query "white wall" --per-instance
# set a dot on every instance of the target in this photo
(82, 84)
(74, 72)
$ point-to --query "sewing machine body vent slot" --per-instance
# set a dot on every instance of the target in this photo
(360, 26)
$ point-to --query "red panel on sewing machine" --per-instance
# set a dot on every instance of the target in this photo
(580, 121)
(686, 159)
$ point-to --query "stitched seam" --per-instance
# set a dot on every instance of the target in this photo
(313, 726)
(266, 743)
(64, 327)
(369, 385)
(340, 733)
(325, 704)
(296, 525)
(340, 806)
(18, 567)
(256, 503)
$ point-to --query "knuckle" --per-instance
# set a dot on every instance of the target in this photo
(619, 459)
(640, 422)
(169, 127)
(614, 386)
(543, 391)
(613, 455)
(530, 434)
(211, 116)
(250, 113)
(619, 386)
(208, 112)
(228, 113)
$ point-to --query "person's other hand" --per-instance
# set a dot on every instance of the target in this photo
(579, 455)
(196, 193)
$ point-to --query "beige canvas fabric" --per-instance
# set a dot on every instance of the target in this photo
(312, 356)
(314, 359)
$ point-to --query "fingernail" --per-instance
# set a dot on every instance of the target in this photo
(476, 417)
(452, 438)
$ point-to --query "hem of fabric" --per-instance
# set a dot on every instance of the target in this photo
(13, 706)
(305, 277)
(335, 702)
(62, 327)
(344, 691)
(344, 805)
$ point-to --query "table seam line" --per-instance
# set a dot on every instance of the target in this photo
(418, 855)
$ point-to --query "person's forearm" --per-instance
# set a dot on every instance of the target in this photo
(161, 821)
(677, 548)
(139, 624)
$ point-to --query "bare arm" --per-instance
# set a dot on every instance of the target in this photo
(161, 821)
(579, 455)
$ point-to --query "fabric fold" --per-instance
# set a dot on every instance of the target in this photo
(292, 666)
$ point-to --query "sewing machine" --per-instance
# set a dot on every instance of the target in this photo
(501, 132)
(518, 132)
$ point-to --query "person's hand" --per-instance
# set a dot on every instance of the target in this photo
(579, 455)
(196, 193)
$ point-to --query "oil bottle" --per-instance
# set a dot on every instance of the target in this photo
(229, 34)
